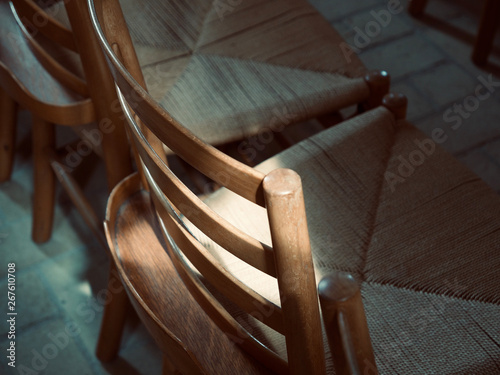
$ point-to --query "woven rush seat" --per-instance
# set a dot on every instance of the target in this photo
(424, 249)
(226, 74)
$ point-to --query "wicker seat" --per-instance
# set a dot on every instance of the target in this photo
(235, 70)
(227, 75)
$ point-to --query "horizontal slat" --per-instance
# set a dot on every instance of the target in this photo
(227, 284)
(59, 72)
(235, 176)
(215, 227)
(37, 20)
(221, 317)
(75, 113)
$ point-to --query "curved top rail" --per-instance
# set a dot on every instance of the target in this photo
(232, 174)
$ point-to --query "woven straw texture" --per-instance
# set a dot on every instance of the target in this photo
(224, 72)
(424, 249)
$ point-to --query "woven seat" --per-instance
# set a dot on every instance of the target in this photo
(425, 249)
(238, 70)
(425, 253)
(225, 75)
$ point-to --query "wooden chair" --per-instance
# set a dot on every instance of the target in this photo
(488, 26)
(417, 230)
(243, 69)
(41, 71)
(293, 48)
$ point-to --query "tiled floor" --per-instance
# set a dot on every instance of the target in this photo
(58, 283)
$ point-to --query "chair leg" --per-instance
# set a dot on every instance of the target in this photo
(486, 34)
(8, 120)
(44, 180)
(416, 7)
(114, 318)
(116, 152)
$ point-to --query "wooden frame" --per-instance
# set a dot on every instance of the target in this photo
(280, 192)
(94, 95)
(90, 107)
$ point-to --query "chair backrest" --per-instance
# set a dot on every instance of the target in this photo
(48, 37)
(57, 49)
(280, 192)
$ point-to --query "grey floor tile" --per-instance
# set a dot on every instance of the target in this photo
(333, 10)
(69, 233)
(29, 291)
(418, 105)
(49, 349)
(404, 56)
(445, 84)
(465, 133)
(15, 195)
(459, 49)
(17, 246)
(373, 26)
(78, 282)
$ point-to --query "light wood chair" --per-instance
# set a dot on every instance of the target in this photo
(41, 70)
(418, 231)
(488, 25)
(295, 71)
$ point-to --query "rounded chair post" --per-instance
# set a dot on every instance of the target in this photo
(397, 103)
(379, 83)
(8, 119)
(114, 318)
(116, 151)
(43, 180)
(296, 279)
(346, 325)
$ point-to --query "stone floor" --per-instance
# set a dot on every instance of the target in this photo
(58, 283)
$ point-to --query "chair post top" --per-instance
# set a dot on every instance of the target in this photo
(337, 286)
(282, 182)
